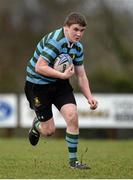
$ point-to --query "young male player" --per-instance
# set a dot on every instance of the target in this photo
(46, 86)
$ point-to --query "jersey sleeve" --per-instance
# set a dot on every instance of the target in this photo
(78, 60)
(51, 50)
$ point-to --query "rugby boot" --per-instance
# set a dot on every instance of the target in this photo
(34, 134)
(78, 165)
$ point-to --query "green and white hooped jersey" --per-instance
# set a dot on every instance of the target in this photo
(50, 46)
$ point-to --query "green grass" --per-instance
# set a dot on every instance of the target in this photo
(48, 160)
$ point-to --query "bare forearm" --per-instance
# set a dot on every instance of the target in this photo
(43, 69)
(84, 86)
(48, 71)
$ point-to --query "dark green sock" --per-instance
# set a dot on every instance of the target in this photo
(36, 124)
(72, 142)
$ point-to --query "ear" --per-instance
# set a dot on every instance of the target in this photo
(66, 28)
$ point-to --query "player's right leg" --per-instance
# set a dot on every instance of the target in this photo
(39, 97)
(43, 124)
(34, 134)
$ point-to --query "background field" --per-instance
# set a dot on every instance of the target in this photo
(108, 159)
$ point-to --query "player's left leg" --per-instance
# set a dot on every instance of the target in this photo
(69, 112)
(66, 104)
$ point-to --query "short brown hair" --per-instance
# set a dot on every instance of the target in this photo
(75, 18)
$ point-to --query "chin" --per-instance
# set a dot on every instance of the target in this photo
(75, 40)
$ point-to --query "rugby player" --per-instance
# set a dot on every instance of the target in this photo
(46, 86)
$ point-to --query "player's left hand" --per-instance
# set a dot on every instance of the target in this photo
(93, 103)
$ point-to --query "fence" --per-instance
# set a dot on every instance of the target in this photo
(114, 111)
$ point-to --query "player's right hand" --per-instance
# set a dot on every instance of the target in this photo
(68, 72)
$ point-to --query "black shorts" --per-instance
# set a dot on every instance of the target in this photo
(41, 97)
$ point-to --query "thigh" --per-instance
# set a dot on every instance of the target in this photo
(28, 92)
(64, 95)
(40, 100)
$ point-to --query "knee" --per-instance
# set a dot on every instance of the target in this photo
(50, 132)
(72, 119)
(47, 131)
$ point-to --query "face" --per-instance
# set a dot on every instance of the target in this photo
(74, 32)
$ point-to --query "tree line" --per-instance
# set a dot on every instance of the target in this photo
(107, 41)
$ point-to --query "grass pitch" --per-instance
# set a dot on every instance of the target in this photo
(48, 160)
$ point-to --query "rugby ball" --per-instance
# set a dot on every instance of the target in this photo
(62, 62)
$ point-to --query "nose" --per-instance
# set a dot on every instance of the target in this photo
(79, 33)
